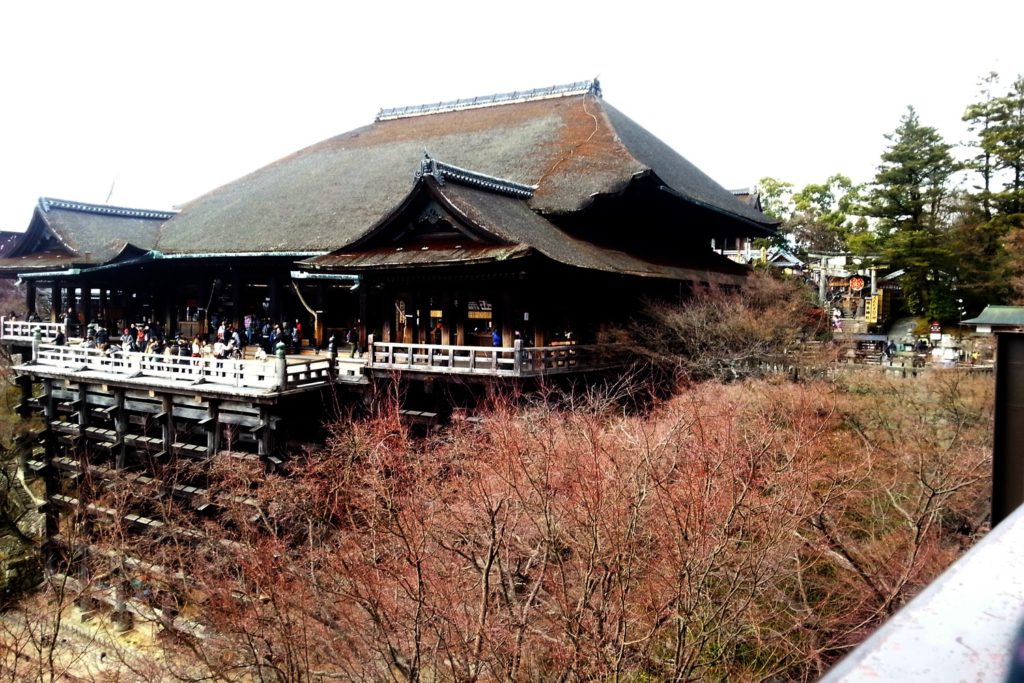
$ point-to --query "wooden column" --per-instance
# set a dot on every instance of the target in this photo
(30, 296)
(25, 385)
(73, 310)
(264, 444)
(85, 306)
(50, 450)
(121, 427)
(319, 336)
(167, 423)
(56, 301)
(506, 317)
(83, 407)
(275, 298)
(212, 427)
(449, 317)
(363, 321)
(237, 302)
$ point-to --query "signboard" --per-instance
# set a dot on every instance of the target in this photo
(856, 283)
(479, 309)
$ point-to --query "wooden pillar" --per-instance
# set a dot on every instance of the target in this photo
(85, 305)
(50, 477)
(459, 311)
(56, 301)
(538, 317)
(263, 446)
(50, 414)
(167, 423)
(446, 320)
(30, 296)
(121, 427)
(506, 315)
(83, 407)
(212, 428)
(363, 321)
(275, 298)
(168, 298)
(237, 300)
(73, 311)
(25, 385)
(319, 336)
(103, 307)
(83, 419)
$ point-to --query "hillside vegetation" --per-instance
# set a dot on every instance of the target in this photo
(743, 531)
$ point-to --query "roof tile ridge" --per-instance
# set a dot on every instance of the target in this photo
(515, 97)
(442, 172)
(49, 203)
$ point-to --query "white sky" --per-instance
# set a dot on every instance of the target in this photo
(169, 100)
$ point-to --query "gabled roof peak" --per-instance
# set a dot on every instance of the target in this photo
(48, 203)
(566, 90)
(441, 172)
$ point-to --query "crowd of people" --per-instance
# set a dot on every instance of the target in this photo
(258, 339)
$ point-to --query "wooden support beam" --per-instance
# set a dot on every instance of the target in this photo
(166, 419)
(120, 427)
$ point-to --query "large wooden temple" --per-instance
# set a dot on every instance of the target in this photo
(498, 236)
(487, 238)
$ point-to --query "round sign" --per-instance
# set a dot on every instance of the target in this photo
(856, 283)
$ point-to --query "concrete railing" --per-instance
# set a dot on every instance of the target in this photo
(961, 627)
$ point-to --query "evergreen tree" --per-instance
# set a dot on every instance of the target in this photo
(910, 198)
(980, 119)
(1006, 141)
(989, 235)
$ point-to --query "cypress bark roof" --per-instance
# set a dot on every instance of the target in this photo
(64, 233)
(569, 148)
(510, 229)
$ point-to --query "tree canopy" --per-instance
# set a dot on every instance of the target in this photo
(954, 229)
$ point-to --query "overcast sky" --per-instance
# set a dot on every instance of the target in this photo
(166, 101)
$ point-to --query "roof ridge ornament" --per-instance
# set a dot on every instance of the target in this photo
(442, 172)
(48, 203)
(592, 87)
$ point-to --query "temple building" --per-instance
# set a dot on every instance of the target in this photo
(497, 236)
(492, 239)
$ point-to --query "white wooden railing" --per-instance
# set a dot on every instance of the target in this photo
(254, 374)
(517, 361)
(23, 330)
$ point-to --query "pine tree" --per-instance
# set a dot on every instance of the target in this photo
(910, 198)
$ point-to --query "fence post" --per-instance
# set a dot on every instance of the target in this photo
(37, 338)
(3, 321)
(332, 353)
(369, 351)
(517, 359)
(282, 366)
